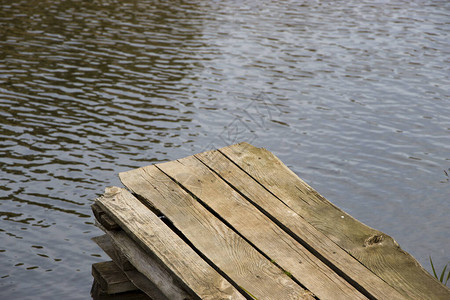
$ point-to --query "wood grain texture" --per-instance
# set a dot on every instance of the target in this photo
(374, 249)
(229, 252)
(105, 243)
(149, 266)
(166, 288)
(258, 229)
(103, 218)
(299, 228)
(199, 279)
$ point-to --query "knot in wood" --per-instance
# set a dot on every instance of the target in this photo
(373, 240)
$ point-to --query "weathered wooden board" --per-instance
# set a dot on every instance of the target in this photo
(259, 230)
(228, 251)
(141, 281)
(106, 244)
(149, 266)
(157, 239)
(314, 240)
(111, 279)
(374, 249)
(104, 219)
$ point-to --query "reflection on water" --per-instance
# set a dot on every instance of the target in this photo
(353, 96)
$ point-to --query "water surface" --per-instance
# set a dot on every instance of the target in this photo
(352, 95)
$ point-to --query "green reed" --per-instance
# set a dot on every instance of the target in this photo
(442, 277)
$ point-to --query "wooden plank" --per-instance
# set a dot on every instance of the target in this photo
(198, 278)
(318, 243)
(148, 266)
(111, 279)
(105, 243)
(141, 281)
(103, 218)
(258, 229)
(229, 252)
(377, 251)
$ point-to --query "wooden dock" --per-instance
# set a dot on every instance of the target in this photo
(236, 223)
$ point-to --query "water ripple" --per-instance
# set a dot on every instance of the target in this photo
(352, 95)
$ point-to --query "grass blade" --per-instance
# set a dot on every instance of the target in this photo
(441, 279)
(432, 267)
(448, 277)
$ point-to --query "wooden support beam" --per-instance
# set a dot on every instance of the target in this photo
(142, 280)
(111, 278)
(106, 244)
(104, 219)
(97, 293)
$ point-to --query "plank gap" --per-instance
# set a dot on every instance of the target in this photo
(218, 216)
(237, 165)
(127, 209)
(175, 230)
(308, 247)
(153, 209)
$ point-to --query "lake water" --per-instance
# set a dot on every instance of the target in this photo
(352, 95)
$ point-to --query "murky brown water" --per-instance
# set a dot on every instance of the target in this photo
(352, 95)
